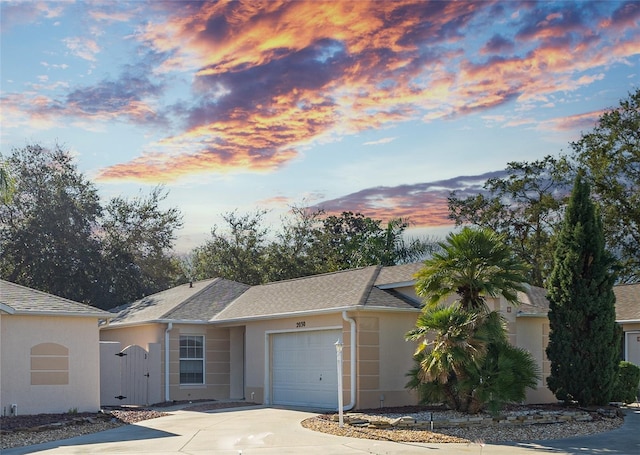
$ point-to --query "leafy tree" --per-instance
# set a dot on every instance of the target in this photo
(6, 184)
(473, 264)
(308, 244)
(137, 239)
(464, 357)
(238, 254)
(55, 235)
(610, 155)
(348, 240)
(47, 228)
(296, 251)
(583, 341)
(524, 206)
(352, 240)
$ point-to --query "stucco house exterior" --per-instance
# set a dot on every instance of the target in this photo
(628, 316)
(49, 356)
(274, 343)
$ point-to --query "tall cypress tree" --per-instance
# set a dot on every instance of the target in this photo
(584, 339)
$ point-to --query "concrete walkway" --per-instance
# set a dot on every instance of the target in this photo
(264, 431)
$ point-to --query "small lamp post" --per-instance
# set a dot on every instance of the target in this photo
(339, 346)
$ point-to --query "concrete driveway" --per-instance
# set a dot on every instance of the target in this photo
(260, 430)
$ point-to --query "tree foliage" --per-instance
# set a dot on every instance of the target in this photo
(6, 183)
(309, 243)
(137, 239)
(47, 228)
(351, 240)
(297, 250)
(628, 383)
(474, 264)
(610, 155)
(464, 357)
(56, 236)
(584, 342)
(235, 254)
(524, 206)
(527, 204)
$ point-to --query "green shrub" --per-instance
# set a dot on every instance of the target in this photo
(628, 382)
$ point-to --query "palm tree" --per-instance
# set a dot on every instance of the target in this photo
(459, 344)
(464, 354)
(473, 263)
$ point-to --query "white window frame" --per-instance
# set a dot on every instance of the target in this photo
(191, 359)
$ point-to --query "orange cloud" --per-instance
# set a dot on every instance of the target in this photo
(159, 167)
(271, 77)
(572, 122)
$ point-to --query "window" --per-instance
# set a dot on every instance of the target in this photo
(191, 359)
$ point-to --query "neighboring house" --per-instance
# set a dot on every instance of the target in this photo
(49, 356)
(531, 330)
(275, 343)
(628, 316)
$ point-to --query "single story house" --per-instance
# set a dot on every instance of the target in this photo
(49, 354)
(275, 343)
(628, 316)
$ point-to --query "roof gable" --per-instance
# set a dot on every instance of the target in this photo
(21, 300)
(198, 301)
(398, 275)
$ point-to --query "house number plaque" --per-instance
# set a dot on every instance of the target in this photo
(300, 324)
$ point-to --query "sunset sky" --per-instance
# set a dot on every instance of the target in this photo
(378, 107)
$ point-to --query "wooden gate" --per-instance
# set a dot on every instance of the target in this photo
(134, 375)
(130, 376)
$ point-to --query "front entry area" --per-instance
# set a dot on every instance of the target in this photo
(304, 369)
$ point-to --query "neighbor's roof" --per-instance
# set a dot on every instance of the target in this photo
(20, 300)
(627, 302)
(198, 302)
(533, 302)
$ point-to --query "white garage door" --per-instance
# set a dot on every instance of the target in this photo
(304, 369)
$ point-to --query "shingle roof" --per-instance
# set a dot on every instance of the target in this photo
(328, 291)
(199, 301)
(398, 274)
(16, 299)
(533, 302)
(627, 302)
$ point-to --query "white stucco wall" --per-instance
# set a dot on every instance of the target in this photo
(396, 358)
(19, 334)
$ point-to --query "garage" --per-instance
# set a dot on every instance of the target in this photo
(304, 370)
